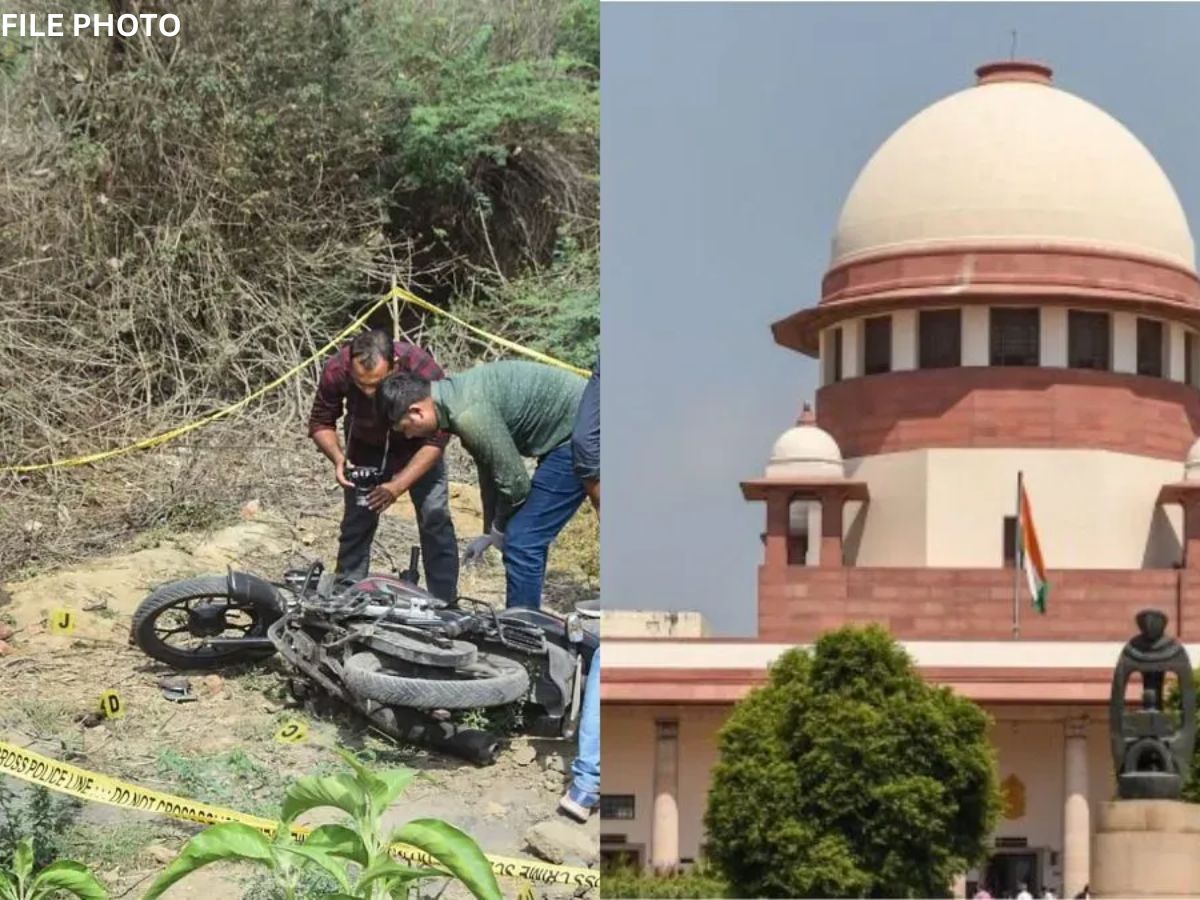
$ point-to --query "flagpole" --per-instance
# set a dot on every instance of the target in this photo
(1017, 566)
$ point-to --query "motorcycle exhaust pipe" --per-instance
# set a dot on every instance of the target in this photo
(246, 643)
(414, 727)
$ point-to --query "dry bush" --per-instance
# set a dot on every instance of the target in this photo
(183, 221)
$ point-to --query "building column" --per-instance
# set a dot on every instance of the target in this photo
(664, 836)
(1077, 830)
(1124, 345)
(1053, 349)
(904, 340)
(779, 528)
(1175, 369)
(832, 506)
(1191, 532)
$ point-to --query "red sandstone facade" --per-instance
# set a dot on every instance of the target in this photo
(1011, 407)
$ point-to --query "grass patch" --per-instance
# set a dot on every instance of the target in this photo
(113, 844)
(234, 779)
(45, 719)
(262, 886)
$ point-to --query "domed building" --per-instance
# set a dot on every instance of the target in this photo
(1011, 293)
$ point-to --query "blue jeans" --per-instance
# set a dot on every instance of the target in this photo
(556, 493)
(586, 767)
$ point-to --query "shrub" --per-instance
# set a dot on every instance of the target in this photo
(849, 776)
(186, 219)
(700, 882)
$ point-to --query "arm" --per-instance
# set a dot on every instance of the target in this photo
(487, 497)
(486, 437)
(418, 467)
(585, 440)
(327, 442)
(388, 493)
(322, 420)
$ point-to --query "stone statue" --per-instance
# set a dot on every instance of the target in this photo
(1152, 756)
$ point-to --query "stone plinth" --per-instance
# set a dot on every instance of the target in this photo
(1146, 848)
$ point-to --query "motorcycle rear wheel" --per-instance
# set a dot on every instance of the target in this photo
(205, 606)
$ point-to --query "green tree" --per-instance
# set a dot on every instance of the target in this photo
(1174, 705)
(848, 776)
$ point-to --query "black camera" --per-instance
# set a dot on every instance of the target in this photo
(365, 479)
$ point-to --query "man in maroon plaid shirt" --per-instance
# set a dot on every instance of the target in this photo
(413, 466)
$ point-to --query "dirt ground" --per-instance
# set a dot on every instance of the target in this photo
(222, 747)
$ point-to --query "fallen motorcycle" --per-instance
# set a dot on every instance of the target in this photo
(382, 646)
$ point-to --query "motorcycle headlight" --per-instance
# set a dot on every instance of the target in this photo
(574, 628)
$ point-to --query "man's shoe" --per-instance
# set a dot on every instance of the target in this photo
(578, 805)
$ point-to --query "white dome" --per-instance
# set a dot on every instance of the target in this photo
(1013, 161)
(1191, 465)
(806, 451)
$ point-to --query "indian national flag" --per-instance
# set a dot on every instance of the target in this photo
(1031, 552)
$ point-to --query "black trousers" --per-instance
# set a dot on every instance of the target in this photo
(439, 545)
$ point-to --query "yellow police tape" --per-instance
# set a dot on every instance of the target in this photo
(494, 338)
(166, 436)
(67, 779)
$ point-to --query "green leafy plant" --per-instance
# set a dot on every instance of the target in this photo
(64, 875)
(848, 775)
(37, 815)
(356, 856)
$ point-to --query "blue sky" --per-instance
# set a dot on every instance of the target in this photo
(730, 135)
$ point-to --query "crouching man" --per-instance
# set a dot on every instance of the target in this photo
(504, 412)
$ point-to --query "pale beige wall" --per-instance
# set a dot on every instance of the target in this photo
(1124, 343)
(1053, 350)
(1094, 509)
(904, 340)
(890, 530)
(627, 767)
(1034, 752)
(632, 623)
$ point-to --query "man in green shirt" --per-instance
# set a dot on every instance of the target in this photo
(504, 412)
